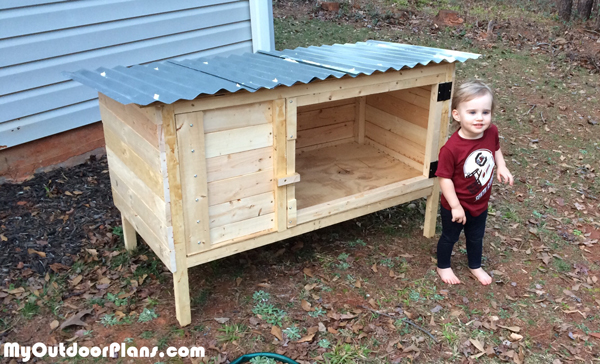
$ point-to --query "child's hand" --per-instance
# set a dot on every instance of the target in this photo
(458, 215)
(505, 176)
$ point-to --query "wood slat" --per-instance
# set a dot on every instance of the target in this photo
(324, 145)
(396, 125)
(395, 142)
(132, 138)
(242, 209)
(242, 228)
(237, 117)
(326, 116)
(239, 187)
(400, 108)
(402, 158)
(237, 164)
(260, 239)
(143, 229)
(325, 134)
(413, 96)
(280, 161)
(238, 140)
(190, 137)
(155, 219)
(137, 169)
(325, 105)
(359, 119)
(362, 199)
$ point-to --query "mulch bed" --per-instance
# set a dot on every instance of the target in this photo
(44, 221)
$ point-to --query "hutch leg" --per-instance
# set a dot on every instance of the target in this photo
(183, 310)
(431, 211)
(129, 234)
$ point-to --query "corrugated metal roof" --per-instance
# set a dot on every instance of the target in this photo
(170, 81)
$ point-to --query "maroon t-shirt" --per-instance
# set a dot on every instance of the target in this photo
(470, 164)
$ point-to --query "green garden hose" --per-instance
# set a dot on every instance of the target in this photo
(246, 358)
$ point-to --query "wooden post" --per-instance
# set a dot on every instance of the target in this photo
(280, 162)
(129, 234)
(359, 120)
(291, 120)
(435, 140)
(176, 231)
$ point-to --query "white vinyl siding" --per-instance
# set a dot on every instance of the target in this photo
(39, 39)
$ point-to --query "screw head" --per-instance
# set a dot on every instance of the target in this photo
(191, 125)
(192, 151)
(197, 199)
(195, 176)
(197, 221)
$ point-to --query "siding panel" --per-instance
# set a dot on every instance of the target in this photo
(73, 14)
(42, 38)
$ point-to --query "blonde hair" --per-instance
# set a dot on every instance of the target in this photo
(470, 90)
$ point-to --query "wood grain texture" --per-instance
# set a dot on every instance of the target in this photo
(395, 142)
(325, 134)
(345, 170)
(241, 209)
(235, 117)
(239, 164)
(238, 140)
(239, 187)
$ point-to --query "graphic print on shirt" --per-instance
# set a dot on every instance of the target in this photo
(479, 166)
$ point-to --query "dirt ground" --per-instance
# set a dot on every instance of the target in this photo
(363, 291)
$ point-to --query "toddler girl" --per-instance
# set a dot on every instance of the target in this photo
(465, 170)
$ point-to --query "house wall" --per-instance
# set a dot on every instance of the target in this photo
(39, 39)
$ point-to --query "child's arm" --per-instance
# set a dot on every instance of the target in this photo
(504, 174)
(458, 213)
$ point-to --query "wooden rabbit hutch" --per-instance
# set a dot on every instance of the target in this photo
(211, 157)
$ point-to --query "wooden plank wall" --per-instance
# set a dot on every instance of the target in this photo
(396, 123)
(325, 124)
(132, 147)
(239, 170)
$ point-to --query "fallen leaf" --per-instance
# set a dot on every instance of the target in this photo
(515, 337)
(307, 338)
(264, 285)
(374, 268)
(306, 306)
(308, 272)
(54, 324)
(595, 334)
(76, 280)
(410, 348)
(310, 287)
(33, 251)
(477, 344)
(331, 330)
(221, 320)
(76, 319)
(357, 284)
(322, 327)
(347, 316)
(77, 192)
(456, 313)
(373, 303)
(104, 280)
(511, 328)
(436, 309)
(68, 193)
(3, 238)
(276, 331)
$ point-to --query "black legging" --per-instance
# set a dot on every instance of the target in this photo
(474, 231)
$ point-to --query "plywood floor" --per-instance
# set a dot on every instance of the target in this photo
(344, 170)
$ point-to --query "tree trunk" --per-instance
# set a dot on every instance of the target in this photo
(584, 9)
(564, 9)
(598, 17)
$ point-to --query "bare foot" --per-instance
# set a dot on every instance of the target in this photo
(481, 275)
(448, 276)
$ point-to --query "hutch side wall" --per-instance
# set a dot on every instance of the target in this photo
(133, 148)
(230, 151)
(396, 123)
(326, 124)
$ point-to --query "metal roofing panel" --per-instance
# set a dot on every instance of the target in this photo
(173, 80)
